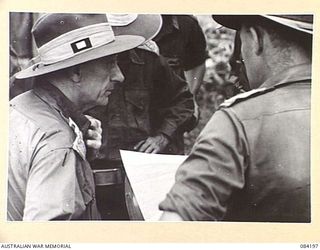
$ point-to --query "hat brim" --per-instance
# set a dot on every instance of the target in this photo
(235, 21)
(229, 21)
(146, 25)
(120, 44)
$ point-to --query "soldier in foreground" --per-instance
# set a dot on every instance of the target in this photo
(252, 160)
(49, 175)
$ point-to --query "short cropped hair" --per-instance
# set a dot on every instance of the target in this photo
(282, 36)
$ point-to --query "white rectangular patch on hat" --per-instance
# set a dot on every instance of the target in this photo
(81, 45)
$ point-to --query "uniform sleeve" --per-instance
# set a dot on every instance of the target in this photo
(214, 170)
(174, 101)
(195, 51)
(53, 192)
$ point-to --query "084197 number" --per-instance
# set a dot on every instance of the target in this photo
(312, 246)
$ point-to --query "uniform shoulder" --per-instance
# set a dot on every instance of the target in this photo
(243, 97)
(29, 108)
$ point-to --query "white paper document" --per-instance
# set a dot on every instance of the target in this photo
(151, 177)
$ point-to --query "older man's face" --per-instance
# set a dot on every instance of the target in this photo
(99, 77)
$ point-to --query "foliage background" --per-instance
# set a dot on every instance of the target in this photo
(220, 45)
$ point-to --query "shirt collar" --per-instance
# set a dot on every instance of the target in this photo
(57, 100)
(297, 73)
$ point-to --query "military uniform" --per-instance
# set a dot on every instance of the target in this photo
(49, 177)
(182, 42)
(252, 160)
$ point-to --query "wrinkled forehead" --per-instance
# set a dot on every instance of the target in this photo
(101, 66)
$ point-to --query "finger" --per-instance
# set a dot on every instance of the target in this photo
(138, 145)
(95, 123)
(93, 144)
(152, 149)
(149, 149)
(89, 117)
(155, 150)
(93, 134)
(144, 147)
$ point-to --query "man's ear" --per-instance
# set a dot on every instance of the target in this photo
(75, 74)
(256, 35)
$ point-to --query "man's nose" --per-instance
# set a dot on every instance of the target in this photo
(117, 75)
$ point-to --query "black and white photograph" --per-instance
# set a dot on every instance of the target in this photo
(230, 92)
(136, 125)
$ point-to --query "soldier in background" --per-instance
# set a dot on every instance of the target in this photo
(143, 114)
(182, 42)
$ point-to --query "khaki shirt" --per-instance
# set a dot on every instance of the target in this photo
(49, 177)
(252, 160)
